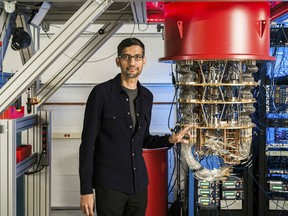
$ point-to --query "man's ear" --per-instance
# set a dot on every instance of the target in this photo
(117, 60)
(144, 60)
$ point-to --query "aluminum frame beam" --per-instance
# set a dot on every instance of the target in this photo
(24, 78)
(75, 62)
(9, 170)
(38, 185)
(139, 11)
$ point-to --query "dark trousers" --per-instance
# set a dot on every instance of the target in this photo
(114, 203)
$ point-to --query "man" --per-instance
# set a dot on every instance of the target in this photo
(116, 128)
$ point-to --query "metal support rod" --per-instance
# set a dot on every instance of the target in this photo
(139, 11)
(6, 21)
(75, 62)
(8, 168)
(85, 16)
(261, 166)
(38, 185)
(178, 162)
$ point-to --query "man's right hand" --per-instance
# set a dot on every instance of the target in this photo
(87, 203)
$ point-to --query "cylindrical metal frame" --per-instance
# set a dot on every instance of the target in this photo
(216, 30)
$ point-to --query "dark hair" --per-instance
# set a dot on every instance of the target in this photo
(130, 42)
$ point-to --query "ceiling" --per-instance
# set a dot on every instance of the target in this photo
(61, 11)
(126, 11)
(120, 10)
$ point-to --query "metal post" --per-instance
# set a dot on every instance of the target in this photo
(8, 168)
(38, 185)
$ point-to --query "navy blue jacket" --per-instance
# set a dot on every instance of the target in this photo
(110, 151)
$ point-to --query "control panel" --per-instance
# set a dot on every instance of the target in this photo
(44, 157)
(225, 195)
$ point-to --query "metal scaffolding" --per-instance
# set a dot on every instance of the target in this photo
(37, 65)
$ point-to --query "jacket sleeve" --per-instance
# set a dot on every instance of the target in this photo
(90, 131)
(154, 141)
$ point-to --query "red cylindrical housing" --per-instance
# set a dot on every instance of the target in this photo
(217, 30)
(156, 163)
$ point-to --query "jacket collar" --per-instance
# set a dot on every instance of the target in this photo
(116, 86)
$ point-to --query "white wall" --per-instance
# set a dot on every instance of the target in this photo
(67, 119)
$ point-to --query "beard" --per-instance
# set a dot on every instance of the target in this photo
(134, 74)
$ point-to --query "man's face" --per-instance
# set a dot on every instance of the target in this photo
(131, 61)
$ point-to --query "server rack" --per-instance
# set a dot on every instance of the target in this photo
(272, 166)
(224, 198)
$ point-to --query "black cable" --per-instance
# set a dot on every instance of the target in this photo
(173, 77)
(173, 100)
(46, 33)
(171, 189)
(227, 206)
(107, 57)
(37, 168)
(143, 30)
(170, 111)
(178, 151)
(33, 172)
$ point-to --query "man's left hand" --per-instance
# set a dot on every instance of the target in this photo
(179, 136)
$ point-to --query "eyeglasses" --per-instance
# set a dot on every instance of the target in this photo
(127, 57)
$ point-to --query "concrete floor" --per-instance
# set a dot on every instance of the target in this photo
(66, 213)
